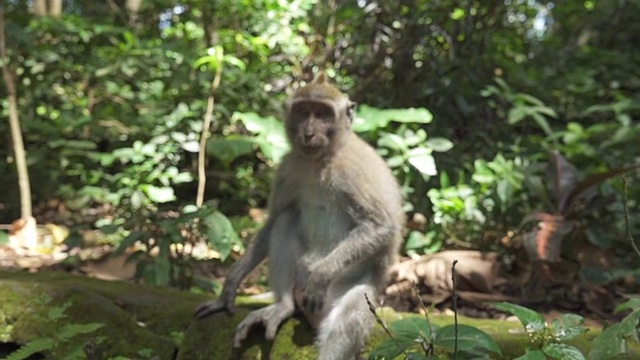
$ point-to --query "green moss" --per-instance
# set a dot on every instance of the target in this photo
(144, 321)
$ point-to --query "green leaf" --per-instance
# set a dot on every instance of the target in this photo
(516, 114)
(439, 144)
(392, 141)
(458, 14)
(192, 146)
(258, 124)
(270, 134)
(159, 194)
(542, 122)
(408, 333)
(563, 351)
(533, 355)
(220, 233)
(32, 347)
(162, 270)
(613, 340)
(530, 319)
(568, 326)
(395, 161)
(71, 330)
(469, 339)
(369, 118)
(230, 148)
(4, 237)
(232, 60)
(422, 160)
(417, 240)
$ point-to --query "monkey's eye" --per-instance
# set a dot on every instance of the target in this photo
(324, 113)
(301, 112)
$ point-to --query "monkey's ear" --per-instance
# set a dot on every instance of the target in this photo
(321, 78)
(351, 109)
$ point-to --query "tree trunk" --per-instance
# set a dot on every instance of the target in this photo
(47, 7)
(14, 122)
(55, 8)
(133, 7)
(40, 7)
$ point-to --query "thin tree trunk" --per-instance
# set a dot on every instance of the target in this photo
(204, 136)
(14, 122)
(47, 7)
(55, 8)
(133, 7)
(40, 7)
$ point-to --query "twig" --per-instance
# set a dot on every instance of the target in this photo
(204, 135)
(428, 350)
(455, 308)
(626, 215)
(372, 309)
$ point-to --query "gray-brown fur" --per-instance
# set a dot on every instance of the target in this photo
(335, 219)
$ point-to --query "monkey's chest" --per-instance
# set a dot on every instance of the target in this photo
(324, 219)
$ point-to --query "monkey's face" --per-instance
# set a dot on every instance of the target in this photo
(311, 126)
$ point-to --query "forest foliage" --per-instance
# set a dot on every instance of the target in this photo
(489, 113)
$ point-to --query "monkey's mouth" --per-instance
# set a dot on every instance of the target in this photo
(312, 146)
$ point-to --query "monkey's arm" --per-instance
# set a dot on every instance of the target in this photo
(256, 252)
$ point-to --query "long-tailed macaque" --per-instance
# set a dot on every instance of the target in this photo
(335, 220)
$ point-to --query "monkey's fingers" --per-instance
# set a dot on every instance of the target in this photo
(312, 303)
(247, 324)
(212, 307)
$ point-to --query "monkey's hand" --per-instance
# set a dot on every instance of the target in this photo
(224, 302)
(314, 293)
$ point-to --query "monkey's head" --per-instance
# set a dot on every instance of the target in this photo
(319, 116)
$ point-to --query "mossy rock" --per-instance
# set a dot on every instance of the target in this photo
(146, 322)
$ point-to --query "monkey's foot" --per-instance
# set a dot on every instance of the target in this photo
(271, 317)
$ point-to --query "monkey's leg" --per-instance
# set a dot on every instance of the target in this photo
(284, 251)
(343, 332)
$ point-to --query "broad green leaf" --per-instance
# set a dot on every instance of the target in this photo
(542, 122)
(192, 146)
(182, 178)
(408, 332)
(613, 340)
(469, 339)
(395, 161)
(162, 270)
(529, 99)
(533, 355)
(516, 114)
(258, 124)
(220, 233)
(417, 240)
(413, 139)
(229, 148)
(563, 351)
(529, 318)
(458, 14)
(159, 194)
(392, 141)
(422, 160)
(273, 151)
(234, 61)
(4, 237)
(632, 303)
(36, 346)
(568, 326)
(439, 144)
(369, 118)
